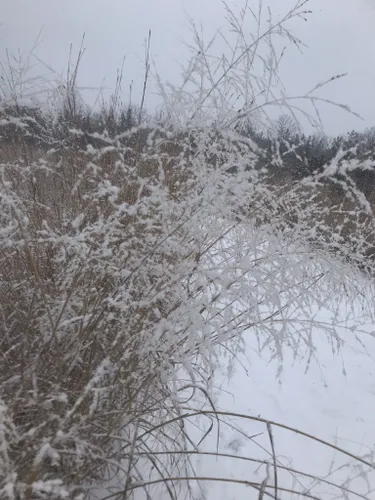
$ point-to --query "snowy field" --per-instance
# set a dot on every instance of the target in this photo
(334, 400)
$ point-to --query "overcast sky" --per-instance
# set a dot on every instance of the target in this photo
(339, 35)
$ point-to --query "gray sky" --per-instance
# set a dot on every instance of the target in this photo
(339, 34)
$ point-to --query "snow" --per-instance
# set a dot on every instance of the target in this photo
(334, 400)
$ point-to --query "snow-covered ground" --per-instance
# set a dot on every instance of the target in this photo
(334, 400)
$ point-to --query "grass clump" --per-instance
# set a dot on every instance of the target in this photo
(133, 253)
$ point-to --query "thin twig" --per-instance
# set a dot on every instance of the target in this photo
(147, 71)
(269, 430)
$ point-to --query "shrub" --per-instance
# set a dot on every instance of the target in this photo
(130, 258)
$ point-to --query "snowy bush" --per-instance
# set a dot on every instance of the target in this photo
(131, 261)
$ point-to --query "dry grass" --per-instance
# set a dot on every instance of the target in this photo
(59, 330)
(111, 240)
(88, 283)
